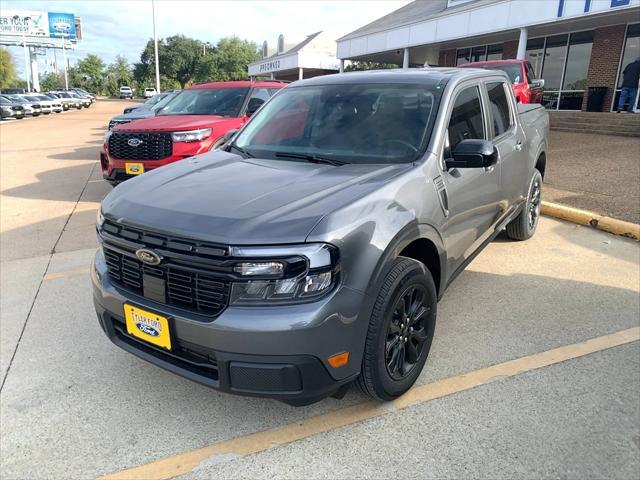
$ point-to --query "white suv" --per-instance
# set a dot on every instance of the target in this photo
(149, 92)
(126, 92)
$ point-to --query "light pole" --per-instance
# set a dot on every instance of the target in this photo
(155, 41)
(26, 55)
(64, 60)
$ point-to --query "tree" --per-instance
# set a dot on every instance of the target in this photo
(8, 75)
(356, 66)
(51, 81)
(117, 74)
(88, 74)
(228, 61)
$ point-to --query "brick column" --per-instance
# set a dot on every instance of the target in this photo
(447, 58)
(603, 66)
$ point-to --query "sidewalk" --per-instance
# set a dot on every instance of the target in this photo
(600, 173)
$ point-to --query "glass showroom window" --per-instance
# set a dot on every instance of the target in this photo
(563, 62)
(480, 53)
(574, 83)
(630, 52)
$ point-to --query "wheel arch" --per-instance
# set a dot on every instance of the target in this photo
(421, 242)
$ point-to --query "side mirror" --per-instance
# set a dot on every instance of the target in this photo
(538, 83)
(254, 105)
(227, 136)
(473, 153)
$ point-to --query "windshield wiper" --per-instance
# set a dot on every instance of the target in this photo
(311, 158)
(242, 150)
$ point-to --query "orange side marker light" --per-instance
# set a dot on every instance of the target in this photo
(339, 359)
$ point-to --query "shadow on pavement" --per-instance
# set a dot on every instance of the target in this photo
(62, 184)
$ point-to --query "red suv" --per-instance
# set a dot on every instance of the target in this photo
(193, 122)
(525, 86)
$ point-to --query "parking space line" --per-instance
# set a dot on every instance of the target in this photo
(183, 463)
(68, 273)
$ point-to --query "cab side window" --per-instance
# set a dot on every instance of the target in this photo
(531, 76)
(499, 106)
(466, 117)
(258, 97)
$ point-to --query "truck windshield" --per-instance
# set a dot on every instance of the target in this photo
(163, 101)
(225, 102)
(355, 123)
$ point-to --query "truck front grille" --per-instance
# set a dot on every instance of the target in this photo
(185, 288)
(140, 146)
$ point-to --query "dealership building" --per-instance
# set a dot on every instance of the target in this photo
(573, 45)
(313, 56)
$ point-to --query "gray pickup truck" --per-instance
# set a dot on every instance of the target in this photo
(311, 250)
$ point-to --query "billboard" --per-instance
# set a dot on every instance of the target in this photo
(24, 22)
(32, 23)
(62, 25)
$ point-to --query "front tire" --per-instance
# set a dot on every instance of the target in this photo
(524, 225)
(400, 331)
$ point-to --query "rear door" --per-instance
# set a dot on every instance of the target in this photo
(509, 139)
(470, 196)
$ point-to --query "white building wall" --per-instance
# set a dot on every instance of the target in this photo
(482, 19)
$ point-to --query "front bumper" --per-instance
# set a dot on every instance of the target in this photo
(275, 352)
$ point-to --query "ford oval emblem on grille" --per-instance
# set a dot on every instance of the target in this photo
(134, 142)
(148, 256)
(148, 329)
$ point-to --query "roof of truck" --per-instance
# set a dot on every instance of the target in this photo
(240, 84)
(421, 76)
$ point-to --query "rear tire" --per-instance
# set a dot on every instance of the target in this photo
(524, 225)
(400, 331)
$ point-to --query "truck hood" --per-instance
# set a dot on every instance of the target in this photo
(135, 115)
(172, 123)
(220, 197)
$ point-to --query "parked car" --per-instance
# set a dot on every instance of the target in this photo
(126, 92)
(195, 121)
(83, 93)
(149, 102)
(526, 87)
(46, 105)
(30, 108)
(311, 250)
(149, 92)
(72, 100)
(145, 111)
(54, 104)
(84, 100)
(10, 109)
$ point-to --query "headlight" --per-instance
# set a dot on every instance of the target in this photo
(107, 134)
(191, 136)
(292, 274)
(99, 218)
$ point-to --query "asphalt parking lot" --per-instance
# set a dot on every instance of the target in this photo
(510, 388)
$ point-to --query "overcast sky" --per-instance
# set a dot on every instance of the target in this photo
(117, 27)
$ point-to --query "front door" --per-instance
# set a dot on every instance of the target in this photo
(471, 195)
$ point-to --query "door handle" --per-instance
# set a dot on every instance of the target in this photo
(518, 146)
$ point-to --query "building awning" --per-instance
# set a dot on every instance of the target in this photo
(425, 22)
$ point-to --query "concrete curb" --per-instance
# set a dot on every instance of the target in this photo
(592, 219)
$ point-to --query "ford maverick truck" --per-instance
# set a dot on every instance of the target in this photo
(310, 251)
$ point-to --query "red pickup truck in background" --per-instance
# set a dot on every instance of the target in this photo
(526, 87)
(193, 122)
